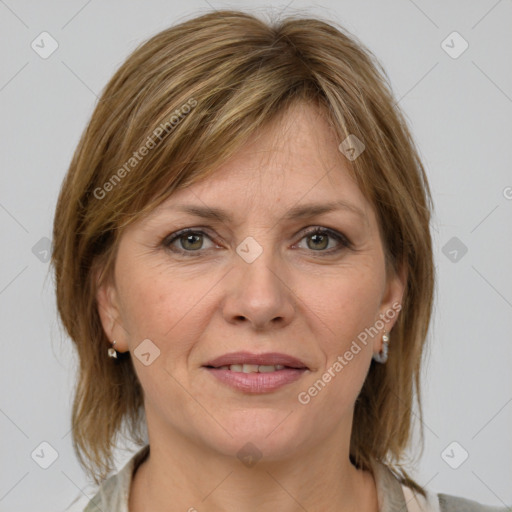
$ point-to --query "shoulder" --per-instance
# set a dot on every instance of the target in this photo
(103, 496)
(113, 493)
(440, 502)
(449, 503)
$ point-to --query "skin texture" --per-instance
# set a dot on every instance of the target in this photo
(295, 298)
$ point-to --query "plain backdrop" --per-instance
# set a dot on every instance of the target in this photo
(459, 106)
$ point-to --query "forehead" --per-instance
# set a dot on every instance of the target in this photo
(292, 162)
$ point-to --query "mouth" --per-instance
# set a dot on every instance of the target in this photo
(247, 362)
(251, 368)
(256, 373)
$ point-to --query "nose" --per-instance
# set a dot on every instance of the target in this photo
(258, 294)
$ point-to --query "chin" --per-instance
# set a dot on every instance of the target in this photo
(272, 432)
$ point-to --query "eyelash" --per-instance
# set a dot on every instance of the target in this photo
(169, 239)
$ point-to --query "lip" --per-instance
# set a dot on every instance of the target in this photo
(268, 358)
(257, 382)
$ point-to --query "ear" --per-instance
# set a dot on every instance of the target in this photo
(391, 304)
(109, 311)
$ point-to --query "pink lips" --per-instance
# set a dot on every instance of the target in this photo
(269, 358)
(257, 382)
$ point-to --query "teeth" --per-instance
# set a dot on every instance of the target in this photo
(270, 368)
(252, 368)
(267, 368)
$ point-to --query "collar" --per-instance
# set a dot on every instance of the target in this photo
(390, 494)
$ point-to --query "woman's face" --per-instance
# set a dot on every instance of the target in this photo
(256, 281)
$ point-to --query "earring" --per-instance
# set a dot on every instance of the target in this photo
(382, 356)
(112, 352)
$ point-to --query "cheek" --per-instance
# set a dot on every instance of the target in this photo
(148, 307)
(343, 307)
(343, 303)
(169, 308)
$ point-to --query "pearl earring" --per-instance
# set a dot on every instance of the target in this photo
(112, 352)
(382, 356)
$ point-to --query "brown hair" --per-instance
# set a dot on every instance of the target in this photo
(197, 91)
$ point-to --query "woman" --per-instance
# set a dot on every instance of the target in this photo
(243, 260)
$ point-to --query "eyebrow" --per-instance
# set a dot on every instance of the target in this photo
(297, 212)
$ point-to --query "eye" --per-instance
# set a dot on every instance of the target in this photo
(188, 240)
(318, 240)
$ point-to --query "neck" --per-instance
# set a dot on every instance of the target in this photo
(183, 476)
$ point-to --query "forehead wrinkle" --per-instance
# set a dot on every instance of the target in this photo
(297, 212)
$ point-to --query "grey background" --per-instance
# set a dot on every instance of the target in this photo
(460, 113)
